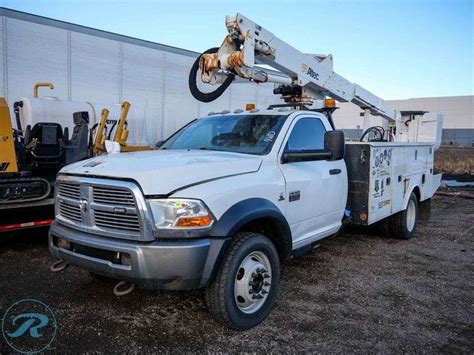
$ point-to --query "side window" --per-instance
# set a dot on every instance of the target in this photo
(307, 134)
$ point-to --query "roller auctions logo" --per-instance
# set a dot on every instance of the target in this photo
(29, 326)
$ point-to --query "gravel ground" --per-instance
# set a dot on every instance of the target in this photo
(358, 292)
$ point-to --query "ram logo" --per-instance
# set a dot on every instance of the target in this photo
(83, 205)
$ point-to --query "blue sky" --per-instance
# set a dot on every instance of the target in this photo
(396, 49)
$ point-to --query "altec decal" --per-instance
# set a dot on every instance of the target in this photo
(306, 69)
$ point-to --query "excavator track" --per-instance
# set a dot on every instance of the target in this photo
(26, 189)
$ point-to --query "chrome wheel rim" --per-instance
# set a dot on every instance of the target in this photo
(411, 215)
(252, 282)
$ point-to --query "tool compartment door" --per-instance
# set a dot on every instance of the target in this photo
(383, 162)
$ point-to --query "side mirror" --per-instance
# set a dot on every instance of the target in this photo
(333, 150)
(334, 142)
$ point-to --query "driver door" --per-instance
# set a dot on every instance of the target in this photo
(315, 201)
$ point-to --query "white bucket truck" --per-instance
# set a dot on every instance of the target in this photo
(228, 197)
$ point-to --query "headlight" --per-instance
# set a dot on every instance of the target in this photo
(180, 213)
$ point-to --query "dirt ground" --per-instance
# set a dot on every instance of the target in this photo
(357, 292)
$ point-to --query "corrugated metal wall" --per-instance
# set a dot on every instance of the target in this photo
(87, 67)
(97, 66)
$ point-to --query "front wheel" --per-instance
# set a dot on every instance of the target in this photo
(247, 283)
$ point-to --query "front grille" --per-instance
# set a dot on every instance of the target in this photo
(101, 206)
(69, 211)
(113, 196)
(70, 190)
(117, 220)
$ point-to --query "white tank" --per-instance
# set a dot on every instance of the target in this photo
(52, 109)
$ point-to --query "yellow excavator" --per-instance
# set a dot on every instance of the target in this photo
(30, 160)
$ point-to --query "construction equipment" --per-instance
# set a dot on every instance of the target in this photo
(30, 158)
(121, 132)
(100, 135)
(16, 184)
(120, 135)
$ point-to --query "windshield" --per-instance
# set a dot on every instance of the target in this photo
(251, 134)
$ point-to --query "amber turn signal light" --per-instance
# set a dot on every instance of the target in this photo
(202, 221)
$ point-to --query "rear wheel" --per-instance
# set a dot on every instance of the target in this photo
(247, 282)
(403, 224)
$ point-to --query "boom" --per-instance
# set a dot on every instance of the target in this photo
(304, 79)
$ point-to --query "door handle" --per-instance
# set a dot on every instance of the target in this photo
(335, 171)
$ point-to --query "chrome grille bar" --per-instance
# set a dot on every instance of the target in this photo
(113, 196)
(110, 221)
(71, 212)
(70, 190)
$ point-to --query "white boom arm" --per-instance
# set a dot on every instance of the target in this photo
(249, 44)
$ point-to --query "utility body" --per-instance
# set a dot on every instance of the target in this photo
(229, 196)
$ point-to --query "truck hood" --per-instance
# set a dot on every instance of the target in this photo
(161, 172)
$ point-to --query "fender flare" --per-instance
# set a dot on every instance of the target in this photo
(247, 211)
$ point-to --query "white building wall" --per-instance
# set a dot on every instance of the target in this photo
(458, 110)
(95, 69)
(86, 67)
(90, 65)
(35, 53)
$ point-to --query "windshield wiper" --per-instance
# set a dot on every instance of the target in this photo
(206, 148)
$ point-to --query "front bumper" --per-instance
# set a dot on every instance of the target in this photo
(171, 264)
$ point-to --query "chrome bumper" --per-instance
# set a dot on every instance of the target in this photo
(174, 265)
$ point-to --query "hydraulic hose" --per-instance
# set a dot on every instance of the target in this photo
(198, 94)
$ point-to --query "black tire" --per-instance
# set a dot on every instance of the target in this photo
(424, 209)
(193, 88)
(398, 225)
(220, 296)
